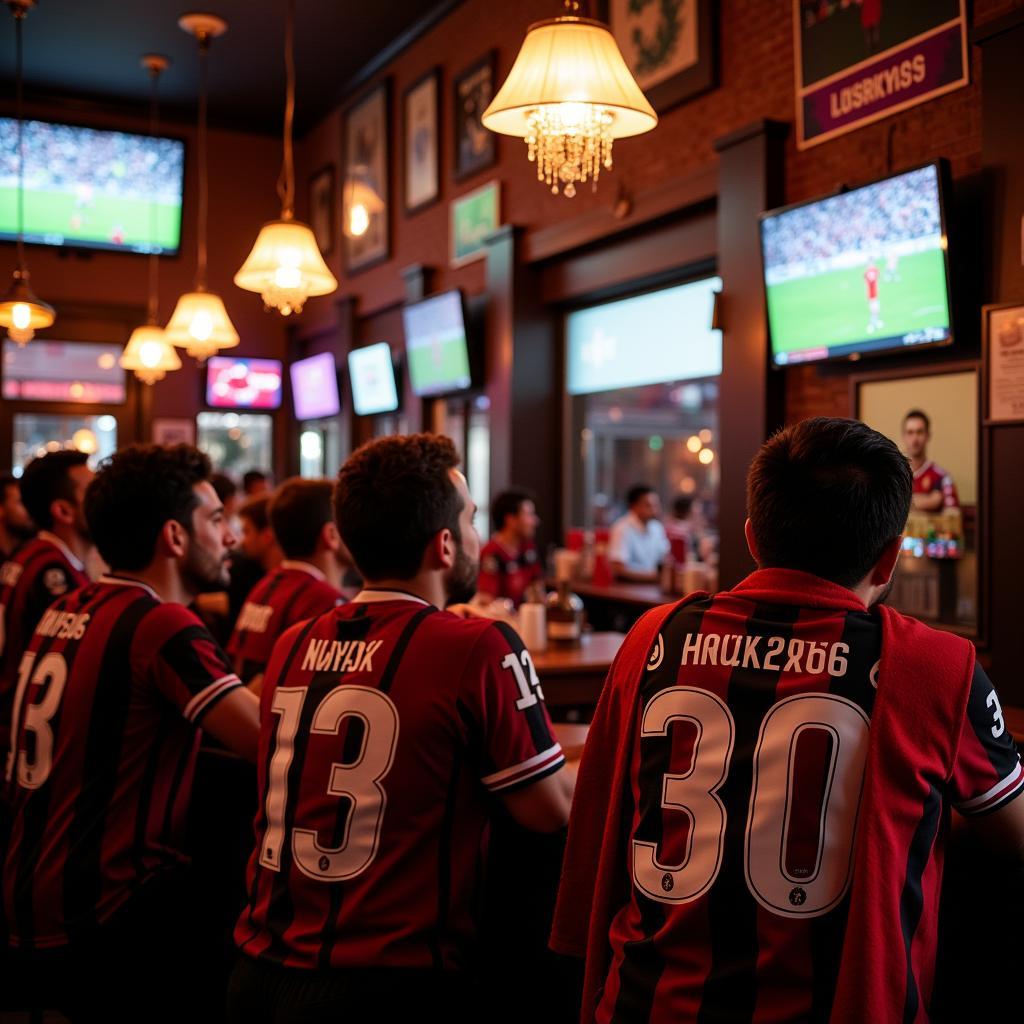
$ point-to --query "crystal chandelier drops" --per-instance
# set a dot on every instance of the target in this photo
(570, 142)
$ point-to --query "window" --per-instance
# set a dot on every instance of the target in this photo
(236, 441)
(63, 371)
(320, 448)
(35, 435)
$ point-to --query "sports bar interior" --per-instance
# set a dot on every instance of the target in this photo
(609, 248)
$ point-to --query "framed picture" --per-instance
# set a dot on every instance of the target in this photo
(473, 217)
(1002, 334)
(858, 63)
(174, 431)
(421, 120)
(671, 48)
(476, 148)
(365, 190)
(321, 208)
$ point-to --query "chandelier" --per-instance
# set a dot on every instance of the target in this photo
(285, 265)
(200, 323)
(569, 95)
(20, 311)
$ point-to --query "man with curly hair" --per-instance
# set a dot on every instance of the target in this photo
(117, 680)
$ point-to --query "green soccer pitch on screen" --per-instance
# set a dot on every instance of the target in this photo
(864, 271)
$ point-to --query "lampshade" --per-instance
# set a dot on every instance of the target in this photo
(569, 94)
(285, 267)
(149, 355)
(200, 325)
(21, 312)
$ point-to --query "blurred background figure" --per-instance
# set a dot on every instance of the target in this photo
(255, 483)
(16, 525)
(638, 542)
(509, 564)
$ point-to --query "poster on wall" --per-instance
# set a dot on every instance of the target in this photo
(474, 216)
(859, 62)
(174, 431)
(669, 46)
(365, 189)
(1003, 356)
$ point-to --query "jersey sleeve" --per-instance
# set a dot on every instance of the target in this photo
(186, 665)
(502, 696)
(988, 773)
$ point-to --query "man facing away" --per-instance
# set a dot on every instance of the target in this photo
(638, 544)
(117, 679)
(387, 726)
(508, 561)
(763, 802)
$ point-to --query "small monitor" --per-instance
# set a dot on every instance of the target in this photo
(93, 188)
(233, 383)
(435, 340)
(372, 374)
(864, 271)
(315, 387)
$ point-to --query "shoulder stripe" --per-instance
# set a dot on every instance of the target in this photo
(1000, 792)
(202, 700)
(524, 770)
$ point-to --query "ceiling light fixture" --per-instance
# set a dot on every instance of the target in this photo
(285, 265)
(20, 311)
(570, 95)
(200, 323)
(148, 354)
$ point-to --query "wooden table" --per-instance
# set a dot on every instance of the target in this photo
(645, 595)
(575, 675)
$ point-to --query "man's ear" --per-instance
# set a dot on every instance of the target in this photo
(883, 570)
(329, 537)
(748, 532)
(172, 541)
(442, 549)
(62, 512)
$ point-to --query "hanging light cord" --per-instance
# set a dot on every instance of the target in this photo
(19, 17)
(286, 181)
(204, 53)
(154, 259)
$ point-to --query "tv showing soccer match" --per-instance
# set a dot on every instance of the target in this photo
(92, 188)
(315, 387)
(864, 271)
(233, 383)
(435, 340)
(372, 374)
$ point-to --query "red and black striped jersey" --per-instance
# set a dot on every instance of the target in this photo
(104, 738)
(290, 593)
(505, 573)
(745, 774)
(385, 724)
(39, 572)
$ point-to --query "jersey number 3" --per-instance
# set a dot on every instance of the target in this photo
(837, 728)
(359, 781)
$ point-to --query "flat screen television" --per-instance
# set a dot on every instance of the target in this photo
(864, 271)
(315, 387)
(435, 341)
(234, 383)
(372, 374)
(93, 188)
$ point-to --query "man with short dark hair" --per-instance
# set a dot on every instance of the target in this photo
(762, 807)
(306, 583)
(637, 544)
(388, 725)
(111, 693)
(934, 488)
(255, 483)
(508, 562)
(16, 524)
(46, 567)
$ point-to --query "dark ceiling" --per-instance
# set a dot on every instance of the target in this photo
(90, 49)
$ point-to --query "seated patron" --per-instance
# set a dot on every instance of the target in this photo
(16, 525)
(765, 795)
(638, 544)
(509, 563)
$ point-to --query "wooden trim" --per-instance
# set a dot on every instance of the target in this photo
(996, 27)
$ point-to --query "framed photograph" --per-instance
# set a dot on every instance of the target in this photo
(473, 217)
(475, 147)
(365, 189)
(174, 431)
(321, 208)
(421, 107)
(671, 48)
(858, 63)
(1002, 333)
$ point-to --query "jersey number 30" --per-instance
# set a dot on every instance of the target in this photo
(820, 884)
(359, 781)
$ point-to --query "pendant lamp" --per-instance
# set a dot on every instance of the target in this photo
(148, 354)
(200, 323)
(285, 265)
(20, 311)
(570, 95)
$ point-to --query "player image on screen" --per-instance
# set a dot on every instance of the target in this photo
(887, 239)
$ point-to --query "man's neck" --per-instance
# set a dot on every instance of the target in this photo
(162, 577)
(327, 564)
(428, 586)
(917, 461)
(271, 559)
(76, 543)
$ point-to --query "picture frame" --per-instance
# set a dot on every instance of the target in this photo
(365, 205)
(322, 209)
(476, 148)
(472, 217)
(172, 430)
(673, 54)
(421, 143)
(1002, 359)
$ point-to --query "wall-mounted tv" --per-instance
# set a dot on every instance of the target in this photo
(315, 387)
(233, 383)
(93, 188)
(864, 271)
(435, 340)
(372, 374)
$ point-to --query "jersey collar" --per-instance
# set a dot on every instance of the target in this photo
(924, 469)
(371, 596)
(52, 538)
(311, 570)
(128, 581)
(791, 586)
